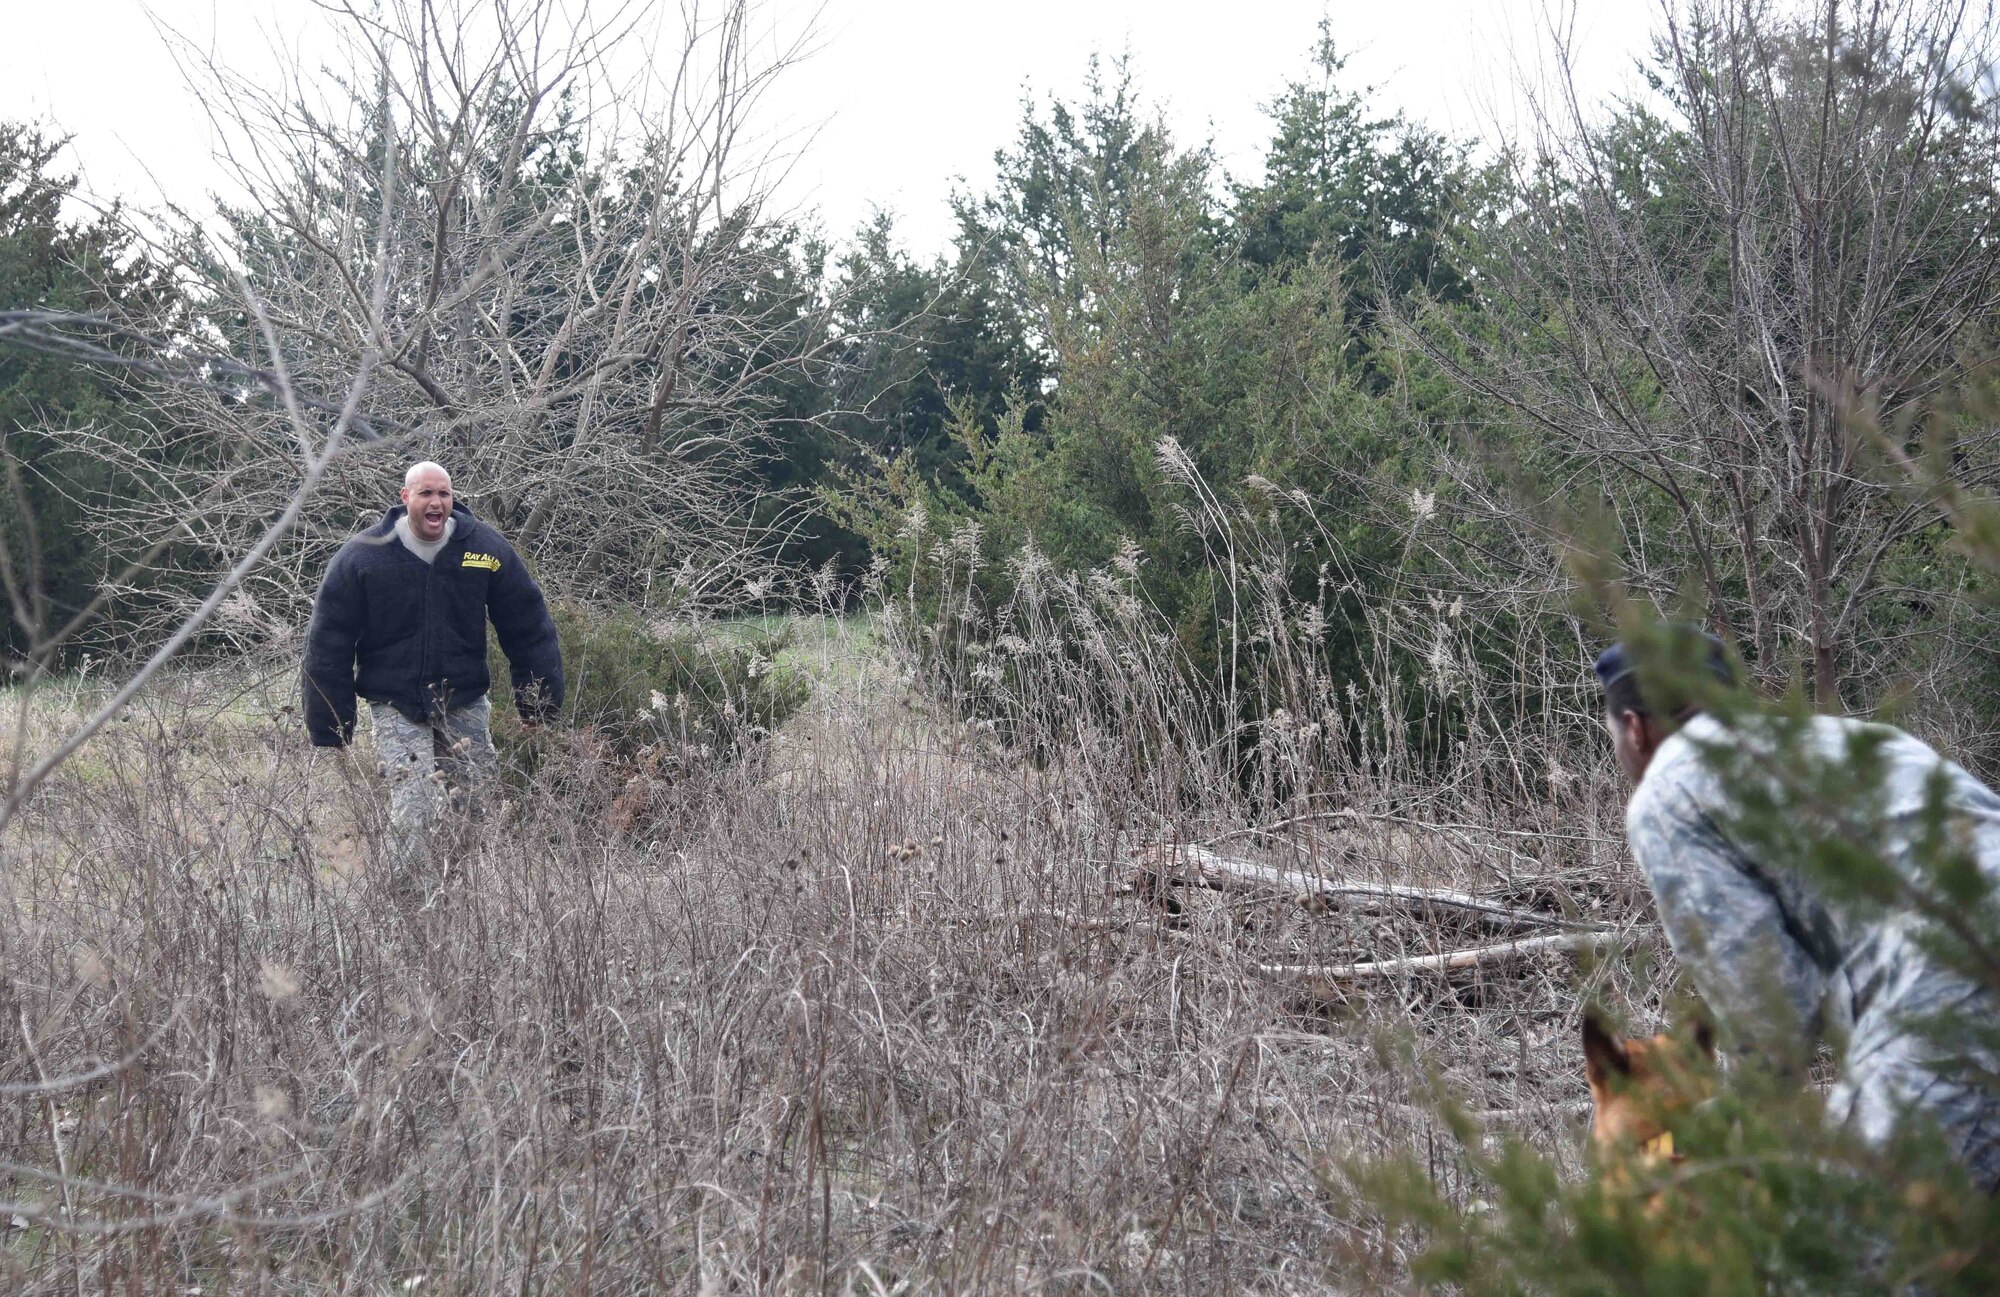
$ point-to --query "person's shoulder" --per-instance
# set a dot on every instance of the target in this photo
(1686, 752)
(1909, 764)
(478, 535)
(365, 543)
(1838, 739)
(1844, 731)
(1678, 777)
(371, 538)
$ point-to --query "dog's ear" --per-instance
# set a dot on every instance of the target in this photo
(1704, 1036)
(1604, 1054)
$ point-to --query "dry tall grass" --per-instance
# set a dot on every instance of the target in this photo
(880, 1011)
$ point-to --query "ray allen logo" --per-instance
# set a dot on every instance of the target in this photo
(487, 561)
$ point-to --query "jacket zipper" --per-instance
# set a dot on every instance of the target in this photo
(430, 674)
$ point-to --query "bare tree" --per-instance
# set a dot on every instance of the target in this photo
(590, 310)
(307, 435)
(1694, 299)
(528, 242)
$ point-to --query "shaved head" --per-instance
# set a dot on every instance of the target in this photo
(427, 496)
(422, 467)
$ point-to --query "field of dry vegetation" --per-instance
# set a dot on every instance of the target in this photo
(1202, 805)
(886, 1007)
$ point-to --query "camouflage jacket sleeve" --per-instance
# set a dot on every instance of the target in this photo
(1737, 930)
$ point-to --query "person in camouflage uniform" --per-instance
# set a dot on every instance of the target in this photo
(1781, 963)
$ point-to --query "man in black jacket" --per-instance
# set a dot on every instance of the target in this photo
(401, 621)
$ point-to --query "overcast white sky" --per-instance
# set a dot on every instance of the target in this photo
(901, 98)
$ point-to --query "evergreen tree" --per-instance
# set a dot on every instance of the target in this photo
(53, 562)
(1379, 197)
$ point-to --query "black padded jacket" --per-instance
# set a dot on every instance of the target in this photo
(393, 629)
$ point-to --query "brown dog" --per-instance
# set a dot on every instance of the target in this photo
(1637, 1086)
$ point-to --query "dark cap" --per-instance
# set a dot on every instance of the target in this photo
(1615, 663)
(1612, 664)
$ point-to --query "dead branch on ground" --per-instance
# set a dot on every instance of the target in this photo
(1162, 867)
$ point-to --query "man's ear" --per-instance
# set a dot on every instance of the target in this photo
(1604, 1054)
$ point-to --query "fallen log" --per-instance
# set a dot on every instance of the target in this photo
(1160, 867)
(1443, 962)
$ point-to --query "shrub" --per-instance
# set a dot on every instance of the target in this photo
(667, 702)
(1767, 1202)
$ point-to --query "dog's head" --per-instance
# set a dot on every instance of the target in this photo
(1637, 1087)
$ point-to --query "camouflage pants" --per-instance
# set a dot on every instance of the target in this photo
(431, 768)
